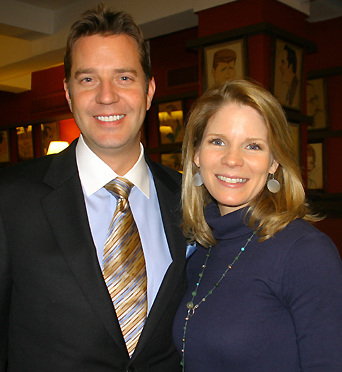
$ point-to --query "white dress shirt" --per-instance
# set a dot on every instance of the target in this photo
(100, 204)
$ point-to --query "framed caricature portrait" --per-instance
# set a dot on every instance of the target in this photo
(288, 72)
(49, 132)
(4, 147)
(170, 119)
(317, 103)
(315, 166)
(25, 143)
(223, 62)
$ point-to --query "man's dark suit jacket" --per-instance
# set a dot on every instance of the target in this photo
(55, 311)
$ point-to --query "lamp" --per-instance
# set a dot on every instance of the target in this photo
(56, 147)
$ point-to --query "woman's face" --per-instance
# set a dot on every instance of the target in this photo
(234, 156)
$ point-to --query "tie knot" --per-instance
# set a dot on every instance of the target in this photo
(120, 187)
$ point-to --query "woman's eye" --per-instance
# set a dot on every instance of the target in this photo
(217, 142)
(254, 146)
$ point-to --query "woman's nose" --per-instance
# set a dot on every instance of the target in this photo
(232, 158)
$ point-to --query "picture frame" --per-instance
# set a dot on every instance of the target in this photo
(49, 132)
(172, 160)
(317, 103)
(25, 143)
(315, 166)
(224, 61)
(4, 146)
(170, 122)
(296, 138)
(288, 74)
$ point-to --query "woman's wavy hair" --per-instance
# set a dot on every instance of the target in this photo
(106, 22)
(268, 212)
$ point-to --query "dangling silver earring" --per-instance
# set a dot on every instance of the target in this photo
(273, 185)
(197, 179)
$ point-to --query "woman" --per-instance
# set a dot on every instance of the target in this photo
(265, 286)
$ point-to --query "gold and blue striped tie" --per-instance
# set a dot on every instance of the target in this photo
(124, 268)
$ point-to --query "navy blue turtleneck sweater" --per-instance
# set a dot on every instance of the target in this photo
(279, 309)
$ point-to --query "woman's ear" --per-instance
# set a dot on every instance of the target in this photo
(196, 158)
(274, 166)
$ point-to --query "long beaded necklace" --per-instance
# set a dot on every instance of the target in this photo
(190, 305)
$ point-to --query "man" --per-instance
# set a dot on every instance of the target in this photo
(56, 311)
(288, 70)
(224, 65)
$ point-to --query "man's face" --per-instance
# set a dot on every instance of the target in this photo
(285, 69)
(107, 95)
(224, 71)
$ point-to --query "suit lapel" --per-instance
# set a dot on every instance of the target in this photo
(66, 212)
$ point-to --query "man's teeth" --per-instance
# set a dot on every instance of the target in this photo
(232, 180)
(109, 118)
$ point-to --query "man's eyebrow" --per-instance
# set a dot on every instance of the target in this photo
(83, 71)
(118, 71)
(123, 70)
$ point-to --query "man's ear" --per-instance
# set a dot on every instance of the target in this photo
(67, 94)
(150, 92)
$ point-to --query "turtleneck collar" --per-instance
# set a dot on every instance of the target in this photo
(228, 226)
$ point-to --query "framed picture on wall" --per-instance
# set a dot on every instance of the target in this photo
(25, 143)
(172, 160)
(171, 125)
(288, 74)
(296, 138)
(224, 61)
(49, 132)
(315, 165)
(317, 103)
(4, 147)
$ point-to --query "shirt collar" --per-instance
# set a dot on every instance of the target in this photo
(95, 173)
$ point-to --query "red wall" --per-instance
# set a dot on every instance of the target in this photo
(68, 130)
(244, 13)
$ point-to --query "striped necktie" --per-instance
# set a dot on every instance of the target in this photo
(124, 266)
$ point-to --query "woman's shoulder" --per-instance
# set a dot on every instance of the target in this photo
(300, 250)
(300, 229)
(304, 238)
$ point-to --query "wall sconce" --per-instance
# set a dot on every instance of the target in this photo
(56, 147)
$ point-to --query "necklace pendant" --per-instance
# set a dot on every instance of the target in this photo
(190, 305)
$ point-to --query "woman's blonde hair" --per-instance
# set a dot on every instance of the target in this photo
(267, 212)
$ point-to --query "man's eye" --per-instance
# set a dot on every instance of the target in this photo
(125, 78)
(87, 79)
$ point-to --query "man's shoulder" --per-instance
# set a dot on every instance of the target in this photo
(36, 169)
(27, 169)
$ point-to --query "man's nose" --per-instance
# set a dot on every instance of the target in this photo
(107, 93)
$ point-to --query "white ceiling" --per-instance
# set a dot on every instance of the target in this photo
(33, 32)
(49, 4)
